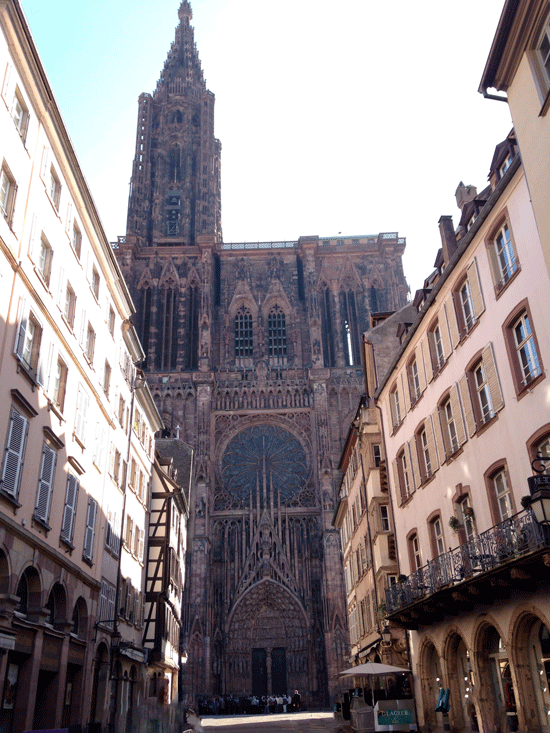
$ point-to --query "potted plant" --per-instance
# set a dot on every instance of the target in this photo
(454, 523)
(468, 512)
(526, 501)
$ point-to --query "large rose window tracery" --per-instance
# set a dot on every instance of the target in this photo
(264, 460)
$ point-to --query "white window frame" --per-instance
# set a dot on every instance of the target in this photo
(425, 447)
(28, 342)
(54, 188)
(438, 345)
(502, 494)
(450, 425)
(44, 259)
(467, 305)
(8, 193)
(483, 393)
(505, 254)
(60, 383)
(527, 355)
(20, 114)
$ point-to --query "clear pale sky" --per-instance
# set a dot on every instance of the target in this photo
(354, 116)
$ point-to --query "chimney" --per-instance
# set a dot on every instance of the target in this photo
(463, 194)
(448, 238)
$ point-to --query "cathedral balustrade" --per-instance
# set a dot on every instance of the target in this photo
(259, 245)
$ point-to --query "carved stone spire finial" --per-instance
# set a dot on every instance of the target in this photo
(185, 10)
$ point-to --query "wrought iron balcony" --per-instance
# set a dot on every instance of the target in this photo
(497, 550)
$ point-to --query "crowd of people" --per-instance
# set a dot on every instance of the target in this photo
(250, 705)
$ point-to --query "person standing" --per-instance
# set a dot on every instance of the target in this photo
(296, 701)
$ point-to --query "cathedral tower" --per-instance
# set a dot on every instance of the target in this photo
(175, 185)
(253, 358)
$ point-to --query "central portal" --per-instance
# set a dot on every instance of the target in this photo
(259, 672)
(260, 676)
(278, 671)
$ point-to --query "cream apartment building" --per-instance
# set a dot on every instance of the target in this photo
(465, 410)
(76, 425)
(518, 72)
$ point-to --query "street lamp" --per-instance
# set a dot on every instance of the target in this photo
(539, 487)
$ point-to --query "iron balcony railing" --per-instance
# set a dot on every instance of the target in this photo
(517, 536)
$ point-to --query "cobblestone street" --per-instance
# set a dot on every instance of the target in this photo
(310, 722)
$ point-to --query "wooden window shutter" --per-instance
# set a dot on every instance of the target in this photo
(467, 404)
(397, 482)
(45, 483)
(15, 453)
(450, 310)
(90, 528)
(430, 436)
(492, 378)
(436, 421)
(475, 289)
(69, 512)
(457, 415)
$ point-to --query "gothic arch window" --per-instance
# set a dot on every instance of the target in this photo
(243, 337)
(329, 352)
(169, 330)
(177, 117)
(350, 330)
(145, 325)
(174, 163)
(193, 303)
(276, 336)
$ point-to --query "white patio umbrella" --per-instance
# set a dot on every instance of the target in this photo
(372, 668)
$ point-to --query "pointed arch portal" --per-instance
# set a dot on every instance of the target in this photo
(268, 642)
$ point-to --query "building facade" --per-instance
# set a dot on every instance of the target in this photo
(465, 412)
(363, 512)
(519, 65)
(253, 356)
(76, 424)
(165, 568)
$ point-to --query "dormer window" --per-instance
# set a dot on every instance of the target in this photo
(505, 165)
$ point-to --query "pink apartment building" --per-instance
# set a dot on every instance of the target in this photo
(465, 410)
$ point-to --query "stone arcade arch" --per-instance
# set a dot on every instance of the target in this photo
(267, 633)
(530, 657)
(431, 680)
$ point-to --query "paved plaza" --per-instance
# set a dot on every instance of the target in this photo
(310, 722)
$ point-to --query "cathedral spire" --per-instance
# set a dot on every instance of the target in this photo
(185, 11)
(175, 187)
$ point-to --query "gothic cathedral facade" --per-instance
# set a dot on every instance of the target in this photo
(253, 355)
